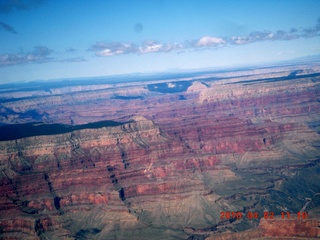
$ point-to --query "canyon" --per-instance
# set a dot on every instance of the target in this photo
(163, 157)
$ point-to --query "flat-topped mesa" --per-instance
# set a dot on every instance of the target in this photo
(197, 87)
(140, 123)
(139, 119)
(233, 91)
(35, 152)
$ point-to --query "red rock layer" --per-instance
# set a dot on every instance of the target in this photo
(66, 174)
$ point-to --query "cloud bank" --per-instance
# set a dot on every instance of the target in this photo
(104, 49)
(107, 49)
(40, 54)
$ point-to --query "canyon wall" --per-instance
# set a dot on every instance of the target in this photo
(182, 152)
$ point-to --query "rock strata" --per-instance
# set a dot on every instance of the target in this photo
(170, 162)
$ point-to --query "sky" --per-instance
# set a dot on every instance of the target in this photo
(53, 39)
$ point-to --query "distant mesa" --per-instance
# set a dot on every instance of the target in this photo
(197, 87)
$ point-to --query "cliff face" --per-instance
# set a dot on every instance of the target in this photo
(176, 162)
(120, 174)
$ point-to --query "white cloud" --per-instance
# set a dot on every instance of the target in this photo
(105, 49)
(105, 52)
(151, 46)
(207, 41)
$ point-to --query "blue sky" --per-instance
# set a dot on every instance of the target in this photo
(50, 39)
